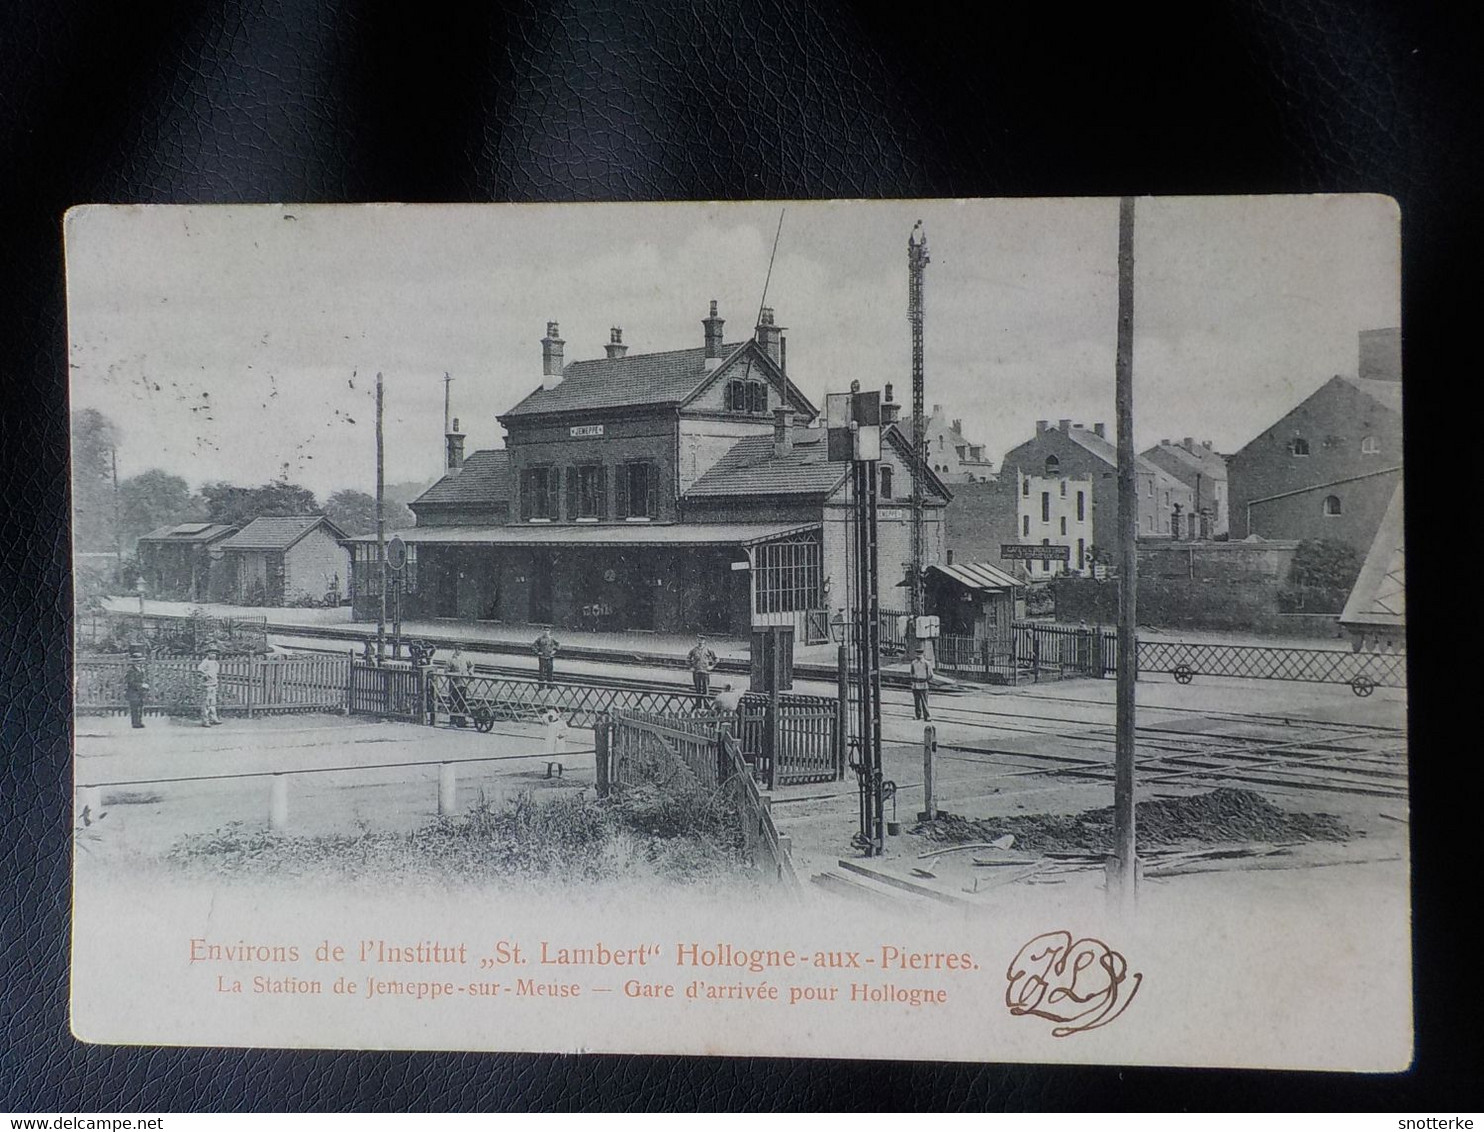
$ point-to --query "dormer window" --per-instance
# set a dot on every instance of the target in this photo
(747, 397)
(1298, 446)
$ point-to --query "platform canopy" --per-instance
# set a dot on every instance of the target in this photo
(978, 576)
(606, 534)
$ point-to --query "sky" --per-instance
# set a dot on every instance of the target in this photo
(243, 342)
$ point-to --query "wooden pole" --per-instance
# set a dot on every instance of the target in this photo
(929, 788)
(380, 525)
(1124, 876)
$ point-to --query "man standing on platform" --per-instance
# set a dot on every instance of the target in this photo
(136, 685)
(702, 661)
(921, 671)
(210, 672)
(546, 649)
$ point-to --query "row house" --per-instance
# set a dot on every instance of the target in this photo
(1202, 469)
(680, 491)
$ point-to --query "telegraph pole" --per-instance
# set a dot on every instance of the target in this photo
(380, 525)
(1123, 877)
(917, 260)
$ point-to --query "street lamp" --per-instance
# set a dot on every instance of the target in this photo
(139, 588)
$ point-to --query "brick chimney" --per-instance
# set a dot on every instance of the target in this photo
(615, 347)
(770, 336)
(454, 448)
(958, 426)
(783, 432)
(1188, 444)
(713, 325)
(551, 357)
(1100, 429)
(1065, 424)
(890, 410)
(1041, 427)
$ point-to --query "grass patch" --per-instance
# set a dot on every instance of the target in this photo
(556, 839)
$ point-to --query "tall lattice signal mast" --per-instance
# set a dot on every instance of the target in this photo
(917, 260)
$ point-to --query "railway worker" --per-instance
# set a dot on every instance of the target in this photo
(702, 661)
(136, 685)
(545, 646)
(921, 672)
(210, 673)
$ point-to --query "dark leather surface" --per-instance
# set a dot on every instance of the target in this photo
(234, 101)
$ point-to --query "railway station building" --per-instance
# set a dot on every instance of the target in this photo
(673, 492)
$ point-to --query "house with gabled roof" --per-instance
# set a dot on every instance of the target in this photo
(285, 560)
(1065, 483)
(1328, 467)
(677, 491)
(1202, 469)
(176, 561)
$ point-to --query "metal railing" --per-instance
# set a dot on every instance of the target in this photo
(804, 746)
(1362, 671)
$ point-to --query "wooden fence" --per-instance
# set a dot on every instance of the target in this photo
(246, 685)
(696, 755)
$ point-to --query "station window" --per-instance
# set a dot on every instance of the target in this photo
(587, 492)
(747, 397)
(885, 482)
(637, 491)
(786, 577)
(538, 493)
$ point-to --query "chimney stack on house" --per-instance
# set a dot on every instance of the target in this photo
(1065, 424)
(770, 336)
(713, 325)
(1041, 427)
(783, 432)
(551, 357)
(958, 426)
(1381, 354)
(890, 410)
(615, 347)
(1188, 444)
(1099, 429)
(454, 448)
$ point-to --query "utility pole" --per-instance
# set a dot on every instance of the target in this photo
(917, 260)
(380, 525)
(447, 382)
(1123, 876)
(118, 537)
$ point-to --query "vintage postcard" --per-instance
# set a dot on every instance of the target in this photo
(964, 630)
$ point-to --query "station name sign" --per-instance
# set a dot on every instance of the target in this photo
(1023, 551)
(579, 431)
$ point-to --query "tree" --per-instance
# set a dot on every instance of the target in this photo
(1320, 577)
(1324, 564)
(94, 438)
(238, 506)
(156, 499)
(354, 512)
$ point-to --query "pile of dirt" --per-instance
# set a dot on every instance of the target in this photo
(1221, 816)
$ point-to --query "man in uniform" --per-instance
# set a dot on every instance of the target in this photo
(210, 671)
(702, 661)
(921, 671)
(136, 685)
(546, 647)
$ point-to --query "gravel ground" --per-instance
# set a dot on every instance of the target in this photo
(1223, 816)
